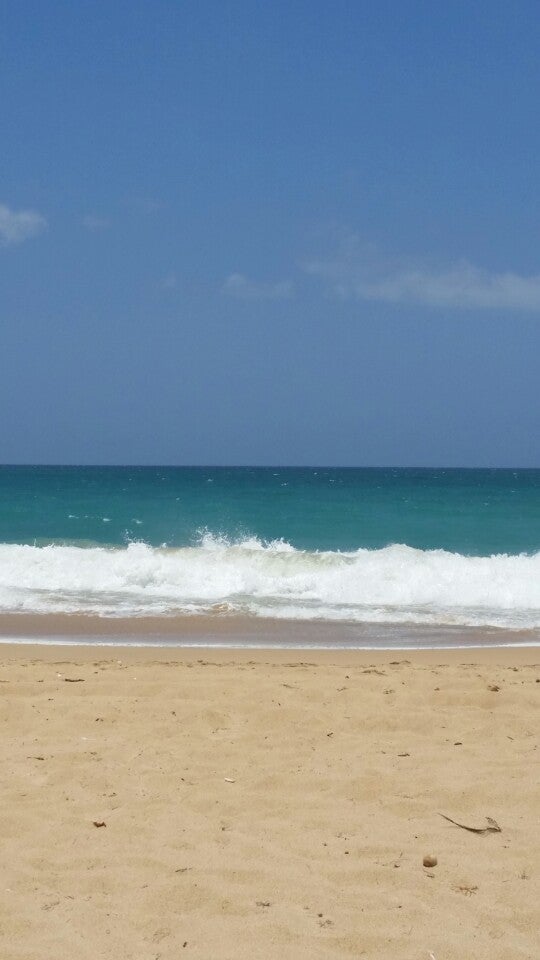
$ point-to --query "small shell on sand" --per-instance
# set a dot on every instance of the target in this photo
(430, 861)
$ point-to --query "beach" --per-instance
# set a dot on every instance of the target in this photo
(224, 803)
(269, 481)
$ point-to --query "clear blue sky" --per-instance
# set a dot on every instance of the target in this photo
(250, 232)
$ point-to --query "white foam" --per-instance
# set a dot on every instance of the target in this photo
(397, 584)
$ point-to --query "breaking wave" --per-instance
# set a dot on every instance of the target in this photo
(397, 584)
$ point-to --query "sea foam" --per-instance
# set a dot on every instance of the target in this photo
(397, 584)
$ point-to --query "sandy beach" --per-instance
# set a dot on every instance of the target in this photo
(240, 804)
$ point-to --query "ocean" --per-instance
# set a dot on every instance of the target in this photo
(454, 548)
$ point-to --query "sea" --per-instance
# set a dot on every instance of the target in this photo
(379, 549)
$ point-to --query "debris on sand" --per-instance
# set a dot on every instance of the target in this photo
(492, 828)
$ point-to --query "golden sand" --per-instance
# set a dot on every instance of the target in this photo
(162, 804)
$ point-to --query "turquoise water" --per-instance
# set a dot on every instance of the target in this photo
(436, 547)
(475, 512)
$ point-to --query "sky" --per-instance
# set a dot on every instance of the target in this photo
(270, 233)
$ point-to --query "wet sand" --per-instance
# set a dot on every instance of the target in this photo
(266, 804)
(251, 632)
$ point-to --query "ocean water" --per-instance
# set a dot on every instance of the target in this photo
(440, 547)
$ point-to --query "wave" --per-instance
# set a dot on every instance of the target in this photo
(396, 584)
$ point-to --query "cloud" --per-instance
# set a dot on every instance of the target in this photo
(239, 286)
(357, 271)
(91, 222)
(16, 226)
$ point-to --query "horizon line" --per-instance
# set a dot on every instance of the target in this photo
(259, 466)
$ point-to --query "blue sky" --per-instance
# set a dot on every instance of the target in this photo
(294, 233)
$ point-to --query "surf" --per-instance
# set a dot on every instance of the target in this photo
(218, 576)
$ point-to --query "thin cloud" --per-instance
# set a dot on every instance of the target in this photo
(19, 225)
(239, 286)
(358, 272)
(91, 222)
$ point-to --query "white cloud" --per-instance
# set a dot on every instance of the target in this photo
(357, 271)
(16, 226)
(91, 222)
(239, 286)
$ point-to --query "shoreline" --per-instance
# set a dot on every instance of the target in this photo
(250, 633)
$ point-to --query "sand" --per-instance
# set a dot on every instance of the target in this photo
(268, 804)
